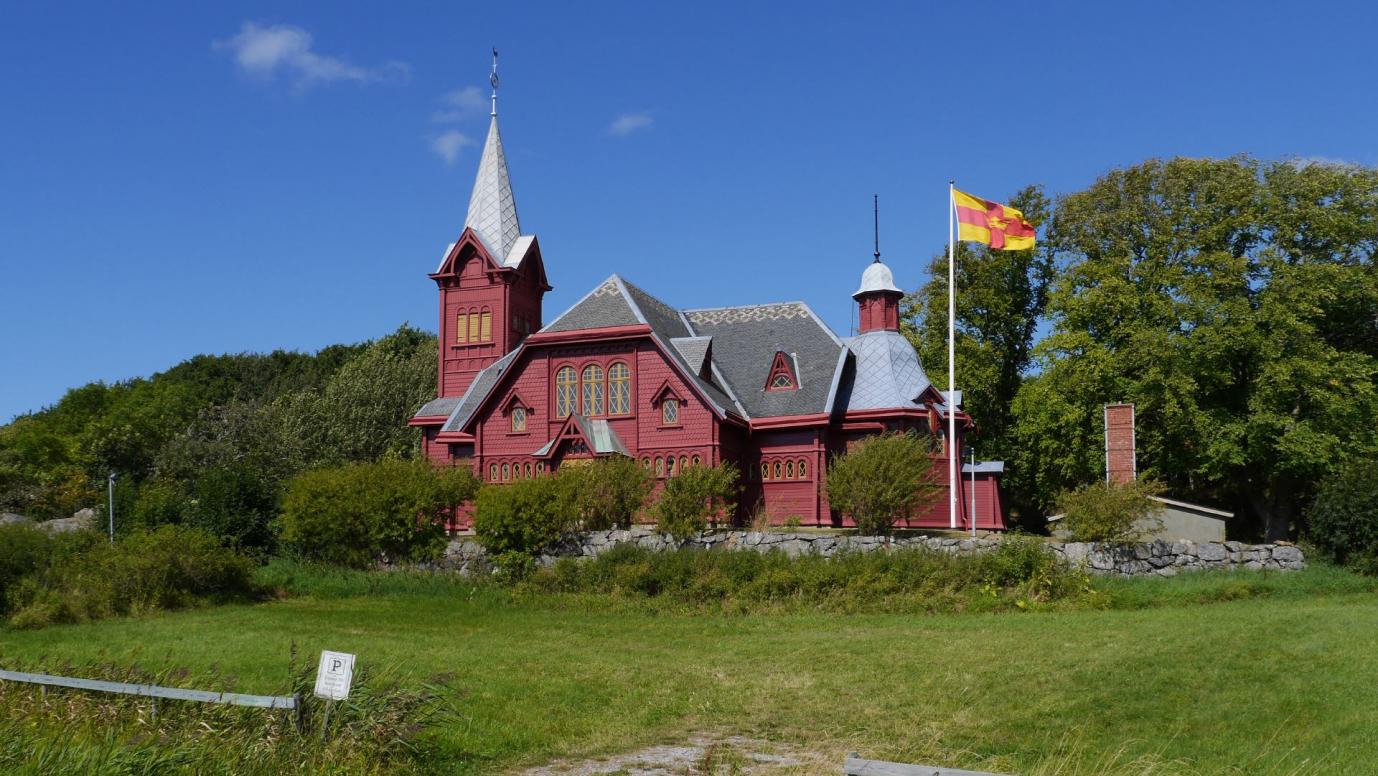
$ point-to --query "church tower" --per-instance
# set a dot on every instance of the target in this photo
(491, 280)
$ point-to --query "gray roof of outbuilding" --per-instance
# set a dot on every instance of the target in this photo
(745, 341)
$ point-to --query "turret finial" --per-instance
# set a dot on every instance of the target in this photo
(875, 203)
(493, 79)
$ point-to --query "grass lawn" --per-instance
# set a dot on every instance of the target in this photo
(1286, 683)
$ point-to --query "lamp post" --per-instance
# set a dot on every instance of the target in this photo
(110, 510)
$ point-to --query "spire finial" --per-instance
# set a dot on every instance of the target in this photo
(875, 203)
(493, 79)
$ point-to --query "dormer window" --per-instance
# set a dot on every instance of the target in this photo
(669, 412)
(518, 419)
(782, 377)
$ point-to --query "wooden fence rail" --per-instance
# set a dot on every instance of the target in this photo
(856, 766)
(287, 702)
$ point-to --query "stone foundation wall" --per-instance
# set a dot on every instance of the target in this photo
(1162, 558)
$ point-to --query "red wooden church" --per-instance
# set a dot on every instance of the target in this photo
(769, 387)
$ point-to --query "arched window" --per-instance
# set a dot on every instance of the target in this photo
(669, 412)
(462, 327)
(646, 461)
(669, 466)
(485, 327)
(778, 470)
(528, 470)
(619, 389)
(789, 470)
(518, 418)
(683, 462)
(765, 471)
(660, 466)
(803, 469)
(540, 467)
(473, 326)
(492, 472)
(593, 390)
(566, 384)
(697, 460)
(506, 473)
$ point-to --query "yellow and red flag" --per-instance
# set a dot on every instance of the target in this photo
(1000, 226)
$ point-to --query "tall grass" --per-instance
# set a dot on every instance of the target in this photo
(382, 727)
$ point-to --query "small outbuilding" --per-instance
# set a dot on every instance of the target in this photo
(1174, 520)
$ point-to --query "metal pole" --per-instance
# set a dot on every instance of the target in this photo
(952, 451)
(110, 511)
(973, 492)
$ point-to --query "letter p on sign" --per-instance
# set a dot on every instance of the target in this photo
(335, 675)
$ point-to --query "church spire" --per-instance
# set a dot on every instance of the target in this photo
(492, 208)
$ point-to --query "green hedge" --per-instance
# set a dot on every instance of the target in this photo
(352, 515)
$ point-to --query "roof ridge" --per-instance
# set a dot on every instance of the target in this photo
(742, 306)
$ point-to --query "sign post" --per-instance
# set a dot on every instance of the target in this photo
(334, 677)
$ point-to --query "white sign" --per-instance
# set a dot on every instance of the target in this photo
(335, 675)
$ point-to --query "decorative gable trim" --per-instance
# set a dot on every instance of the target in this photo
(665, 391)
(468, 240)
(784, 373)
(515, 400)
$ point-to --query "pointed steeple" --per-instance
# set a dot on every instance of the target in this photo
(492, 208)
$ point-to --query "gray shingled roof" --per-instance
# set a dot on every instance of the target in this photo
(745, 341)
(478, 391)
(694, 350)
(605, 305)
(886, 373)
(492, 208)
(436, 408)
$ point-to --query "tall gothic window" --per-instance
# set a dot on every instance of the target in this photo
(619, 389)
(485, 326)
(566, 384)
(593, 390)
(473, 326)
(462, 327)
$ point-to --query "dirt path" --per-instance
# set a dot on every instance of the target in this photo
(701, 754)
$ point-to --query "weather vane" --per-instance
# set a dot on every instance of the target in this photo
(493, 79)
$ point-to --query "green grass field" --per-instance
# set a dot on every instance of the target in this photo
(1282, 680)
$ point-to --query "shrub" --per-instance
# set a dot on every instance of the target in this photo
(606, 494)
(24, 550)
(883, 479)
(515, 521)
(1110, 512)
(1343, 520)
(354, 514)
(166, 568)
(695, 495)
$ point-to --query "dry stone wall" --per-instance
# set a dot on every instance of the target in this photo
(1161, 558)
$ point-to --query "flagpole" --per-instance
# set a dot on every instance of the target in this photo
(951, 358)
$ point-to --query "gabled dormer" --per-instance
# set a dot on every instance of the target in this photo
(783, 375)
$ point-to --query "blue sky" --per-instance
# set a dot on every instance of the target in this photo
(188, 177)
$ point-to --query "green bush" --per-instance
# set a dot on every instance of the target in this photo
(1021, 573)
(607, 493)
(695, 495)
(1110, 512)
(354, 514)
(86, 578)
(1343, 520)
(882, 480)
(515, 521)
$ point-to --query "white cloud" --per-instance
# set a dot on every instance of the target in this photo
(449, 143)
(282, 49)
(628, 123)
(460, 104)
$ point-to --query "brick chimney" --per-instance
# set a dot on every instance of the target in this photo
(1121, 464)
